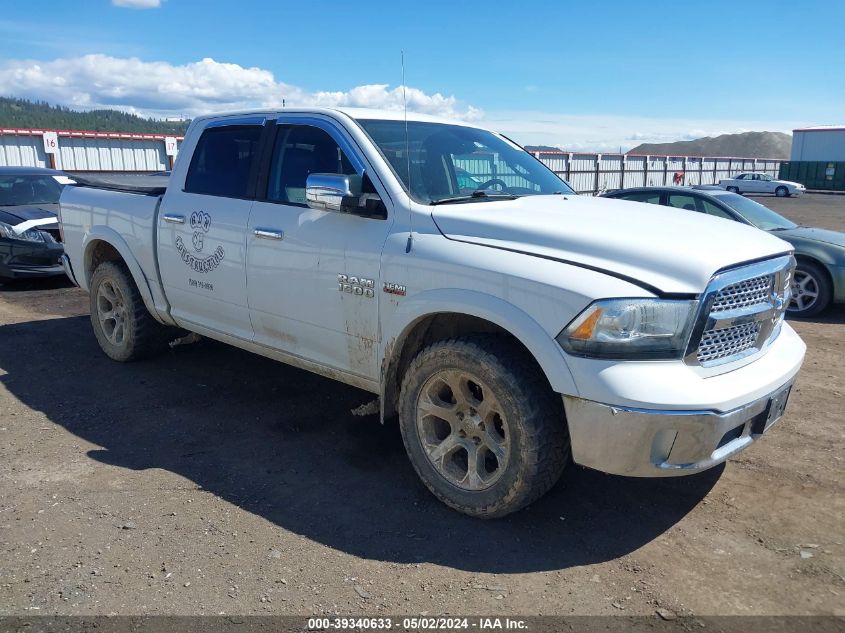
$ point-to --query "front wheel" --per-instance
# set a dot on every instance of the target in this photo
(482, 428)
(782, 192)
(733, 189)
(811, 290)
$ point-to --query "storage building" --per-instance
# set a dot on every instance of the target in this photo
(818, 158)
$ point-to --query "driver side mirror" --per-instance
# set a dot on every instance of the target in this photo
(341, 193)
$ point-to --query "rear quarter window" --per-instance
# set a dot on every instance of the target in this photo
(222, 161)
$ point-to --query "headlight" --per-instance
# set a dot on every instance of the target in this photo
(630, 329)
(32, 235)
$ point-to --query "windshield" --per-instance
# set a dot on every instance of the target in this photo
(28, 189)
(756, 214)
(453, 163)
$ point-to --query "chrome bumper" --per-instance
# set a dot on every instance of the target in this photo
(68, 269)
(665, 443)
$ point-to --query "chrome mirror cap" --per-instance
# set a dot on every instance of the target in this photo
(332, 192)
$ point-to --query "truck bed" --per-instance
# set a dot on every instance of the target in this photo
(121, 211)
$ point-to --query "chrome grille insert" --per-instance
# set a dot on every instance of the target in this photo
(726, 342)
(740, 312)
(745, 293)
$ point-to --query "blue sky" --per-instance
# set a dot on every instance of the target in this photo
(582, 75)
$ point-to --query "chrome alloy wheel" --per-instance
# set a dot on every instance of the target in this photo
(805, 291)
(111, 312)
(462, 430)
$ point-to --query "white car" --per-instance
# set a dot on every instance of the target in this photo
(762, 183)
(508, 324)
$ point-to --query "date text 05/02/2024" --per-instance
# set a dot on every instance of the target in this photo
(417, 623)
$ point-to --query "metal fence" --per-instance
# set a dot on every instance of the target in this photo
(81, 151)
(594, 173)
(75, 150)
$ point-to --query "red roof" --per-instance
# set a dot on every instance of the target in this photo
(87, 134)
(831, 128)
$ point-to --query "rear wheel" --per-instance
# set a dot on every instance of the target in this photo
(481, 426)
(811, 290)
(733, 189)
(782, 192)
(124, 328)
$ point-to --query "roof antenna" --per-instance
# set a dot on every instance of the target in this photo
(410, 243)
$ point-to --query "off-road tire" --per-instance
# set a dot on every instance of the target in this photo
(538, 441)
(143, 335)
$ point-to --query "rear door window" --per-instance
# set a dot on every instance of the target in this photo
(690, 203)
(651, 197)
(712, 209)
(223, 161)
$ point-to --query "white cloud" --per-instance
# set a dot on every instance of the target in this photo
(163, 89)
(137, 4)
(380, 96)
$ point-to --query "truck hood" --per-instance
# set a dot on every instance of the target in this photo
(652, 246)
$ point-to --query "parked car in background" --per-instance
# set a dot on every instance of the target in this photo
(819, 278)
(761, 183)
(30, 240)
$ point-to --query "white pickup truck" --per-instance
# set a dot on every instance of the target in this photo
(508, 324)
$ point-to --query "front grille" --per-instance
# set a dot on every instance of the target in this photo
(743, 294)
(741, 312)
(727, 342)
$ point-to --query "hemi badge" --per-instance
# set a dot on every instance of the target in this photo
(395, 289)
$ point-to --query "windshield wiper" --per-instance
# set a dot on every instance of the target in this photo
(479, 194)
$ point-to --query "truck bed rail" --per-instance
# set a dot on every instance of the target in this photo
(143, 185)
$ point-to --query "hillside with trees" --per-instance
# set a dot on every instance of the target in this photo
(22, 113)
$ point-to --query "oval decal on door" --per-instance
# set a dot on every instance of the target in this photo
(201, 223)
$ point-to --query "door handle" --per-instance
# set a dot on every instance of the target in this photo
(173, 219)
(269, 234)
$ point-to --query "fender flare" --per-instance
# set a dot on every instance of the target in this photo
(545, 350)
(819, 256)
(111, 237)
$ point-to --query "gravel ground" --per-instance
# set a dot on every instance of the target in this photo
(212, 481)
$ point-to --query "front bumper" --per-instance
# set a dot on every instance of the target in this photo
(21, 260)
(665, 443)
(29, 272)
